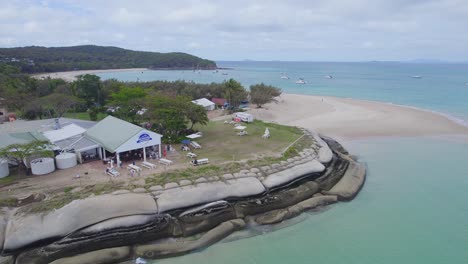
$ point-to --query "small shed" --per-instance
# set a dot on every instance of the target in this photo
(209, 106)
(219, 102)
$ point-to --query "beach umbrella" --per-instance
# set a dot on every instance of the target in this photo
(240, 127)
(186, 141)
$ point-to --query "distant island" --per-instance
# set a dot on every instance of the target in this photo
(37, 59)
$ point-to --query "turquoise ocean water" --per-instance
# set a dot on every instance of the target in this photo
(414, 205)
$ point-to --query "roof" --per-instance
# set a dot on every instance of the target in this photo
(65, 132)
(20, 138)
(112, 132)
(41, 125)
(219, 101)
(203, 102)
(78, 143)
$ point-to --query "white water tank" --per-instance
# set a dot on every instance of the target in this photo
(4, 170)
(66, 160)
(42, 166)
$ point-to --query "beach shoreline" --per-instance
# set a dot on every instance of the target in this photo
(348, 119)
(71, 76)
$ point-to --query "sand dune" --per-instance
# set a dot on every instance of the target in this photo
(350, 118)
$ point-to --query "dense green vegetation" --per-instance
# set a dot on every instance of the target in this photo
(41, 59)
(162, 106)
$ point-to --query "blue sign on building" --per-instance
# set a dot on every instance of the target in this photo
(143, 138)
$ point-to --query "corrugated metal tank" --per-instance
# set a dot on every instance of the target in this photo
(4, 170)
(66, 160)
(42, 166)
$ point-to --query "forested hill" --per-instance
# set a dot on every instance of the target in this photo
(41, 59)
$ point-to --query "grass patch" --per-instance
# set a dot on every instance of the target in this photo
(221, 143)
(7, 180)
(8, 202)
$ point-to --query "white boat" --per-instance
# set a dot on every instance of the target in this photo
(328, 77)
(416, 76)
(301, 81)
(284, 76)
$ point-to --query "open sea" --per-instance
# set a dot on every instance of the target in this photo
(413, 207)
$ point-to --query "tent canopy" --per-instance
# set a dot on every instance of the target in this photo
(203, 102)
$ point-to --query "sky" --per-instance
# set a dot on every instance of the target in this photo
(309, 30)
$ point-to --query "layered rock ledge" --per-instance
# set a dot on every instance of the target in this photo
(180, 217)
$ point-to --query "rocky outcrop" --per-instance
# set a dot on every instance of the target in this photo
(104, 235)
(174, 247)
(292, 174)
(39, 229)
(350, 183)
(277, 216)
(184, 216)
(103, 256)
(276, 200)
(186, 196)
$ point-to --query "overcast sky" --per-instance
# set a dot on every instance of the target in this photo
(309, 30)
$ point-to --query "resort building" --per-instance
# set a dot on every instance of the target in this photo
(123, 140)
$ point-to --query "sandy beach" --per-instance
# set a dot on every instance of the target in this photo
(70, 76)
(350, 119)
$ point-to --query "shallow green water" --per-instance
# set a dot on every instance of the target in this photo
(415, 211)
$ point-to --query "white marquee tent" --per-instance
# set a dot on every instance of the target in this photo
(205, 103)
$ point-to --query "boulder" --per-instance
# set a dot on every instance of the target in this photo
(156, 188)
(172, 247)
(200, 180)
(103, 256)
(26, 229)
(254, 170)
(184, 182)
(228, 176)
(293, 173)
(171, 185)
(194, 195)
(139, 190)
(119, 192)
(351, 182)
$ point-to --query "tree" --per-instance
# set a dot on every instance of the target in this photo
(196, 114)
(130, 100)
(261, 94)
(58, 104)
(168, 114)
(21, 152)
(88, 87)
(234, 92)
